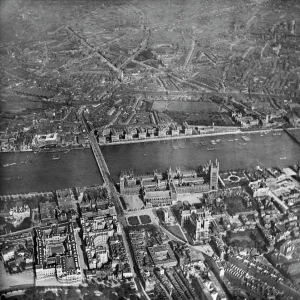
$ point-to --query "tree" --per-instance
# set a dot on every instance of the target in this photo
(49, 295)
(72, 294)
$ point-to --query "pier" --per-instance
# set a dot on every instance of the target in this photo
(295, 138)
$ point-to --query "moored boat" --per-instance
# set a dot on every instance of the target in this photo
(10, 164)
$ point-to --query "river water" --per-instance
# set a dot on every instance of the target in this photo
(42, 173)
(266, 150)
(78, 167)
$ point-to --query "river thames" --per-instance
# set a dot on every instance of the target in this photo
(79, 168)
(40, 172)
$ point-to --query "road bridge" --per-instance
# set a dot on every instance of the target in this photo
(108, 182)
(292, 135)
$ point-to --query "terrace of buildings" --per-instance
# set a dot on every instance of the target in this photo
(67, 199)
(47, 211)
(97, 208)
(280, 186)
(162, 255)
(256, 284)
(17, 252)
(119, 256)
(101, 227)
(101, 244)
(56, 254)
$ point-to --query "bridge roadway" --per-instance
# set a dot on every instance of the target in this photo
(293, 136)
(111, 191)
(103, 168)
(115, 197)
(105, 173)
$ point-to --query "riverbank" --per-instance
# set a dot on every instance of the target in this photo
(265, 148)
(210, 134)
(66, 149)
(155, 139)
(78, 168)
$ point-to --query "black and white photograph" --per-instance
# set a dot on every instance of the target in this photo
(150, 149)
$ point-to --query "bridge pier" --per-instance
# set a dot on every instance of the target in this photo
(296, 139)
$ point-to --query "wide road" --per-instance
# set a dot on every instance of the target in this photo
(114, 196)
(141, 48)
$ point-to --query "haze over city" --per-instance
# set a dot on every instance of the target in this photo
(150, 149)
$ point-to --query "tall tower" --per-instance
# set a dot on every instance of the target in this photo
(166, 215)
(122, 182)
(202, 225)
(214, 174)
(121, 75)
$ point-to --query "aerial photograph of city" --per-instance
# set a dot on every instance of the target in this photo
(150, 149)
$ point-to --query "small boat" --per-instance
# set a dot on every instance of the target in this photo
(230, 140)
(246, 138)
(218, 140)
(24, 162)
(210, 149)
(55, 157)
(7, 165)
(282, 157)
(236, 139)
(67, 151)
(13, 178)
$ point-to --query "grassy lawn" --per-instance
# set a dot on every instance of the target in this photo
(190, 228)
(160, 214)
(133, 221)
(159, 105)
(133, 202)
(176, 210)
(236, 204)
(145, 219)
(191, 107)
(247, 238)
(174, 229)
(188, 238)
